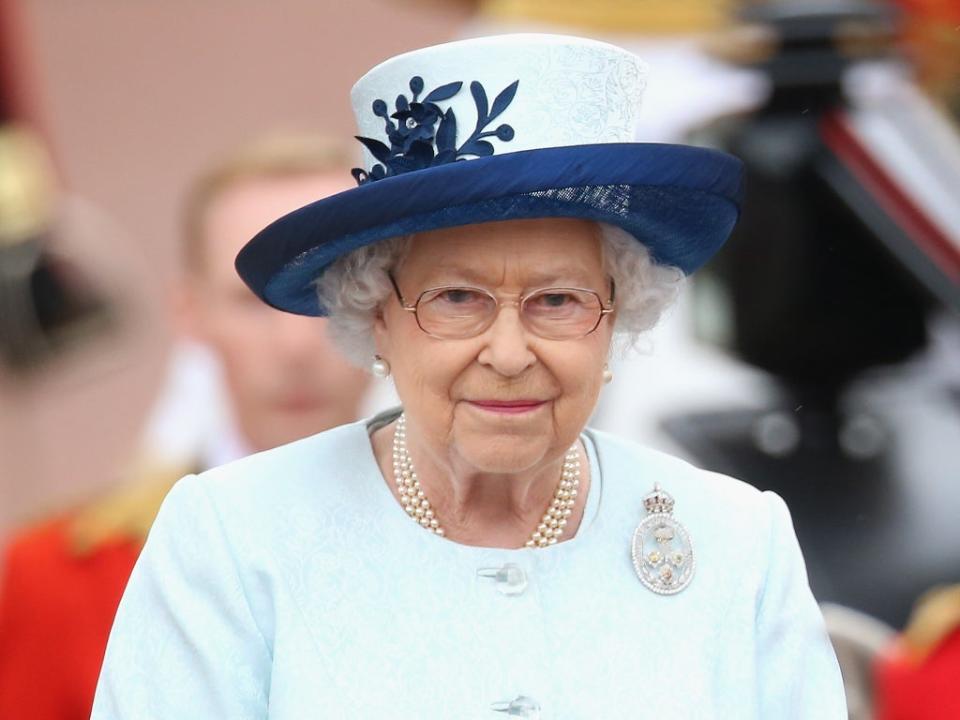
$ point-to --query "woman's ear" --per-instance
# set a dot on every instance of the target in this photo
(381, 333)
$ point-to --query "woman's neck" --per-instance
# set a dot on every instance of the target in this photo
(476, 508)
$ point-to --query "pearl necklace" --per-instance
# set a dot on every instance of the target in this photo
(415, 501)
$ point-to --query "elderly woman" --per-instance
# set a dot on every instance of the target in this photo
(480, 551)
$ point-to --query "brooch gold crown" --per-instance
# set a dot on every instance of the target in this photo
(659, 501)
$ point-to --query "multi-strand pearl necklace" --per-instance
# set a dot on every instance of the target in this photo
(415, 501)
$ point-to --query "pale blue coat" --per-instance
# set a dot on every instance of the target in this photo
(290, 585)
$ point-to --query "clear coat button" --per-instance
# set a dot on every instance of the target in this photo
(509, 579)
(520, 707)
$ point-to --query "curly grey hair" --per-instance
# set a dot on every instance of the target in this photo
(356, 285)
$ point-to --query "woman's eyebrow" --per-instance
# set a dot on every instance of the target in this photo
(539, 277)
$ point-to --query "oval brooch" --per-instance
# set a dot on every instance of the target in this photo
(661, 548)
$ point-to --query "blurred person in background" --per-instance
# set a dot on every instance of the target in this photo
(282, 376)
(63, 578)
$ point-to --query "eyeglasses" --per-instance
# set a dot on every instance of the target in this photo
(457, 312)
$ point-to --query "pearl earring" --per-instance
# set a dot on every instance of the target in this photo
(607, 374)
(380, 367)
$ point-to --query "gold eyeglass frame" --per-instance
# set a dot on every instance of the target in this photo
(604, 309)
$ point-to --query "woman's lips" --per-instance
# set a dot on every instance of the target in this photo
(508, 407)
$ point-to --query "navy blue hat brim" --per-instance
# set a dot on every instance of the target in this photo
(680, 201)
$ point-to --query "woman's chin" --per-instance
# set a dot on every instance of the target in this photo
(503, 454)
(504, 442)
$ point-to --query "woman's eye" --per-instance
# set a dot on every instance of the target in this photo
(460, 296)
(555, 299)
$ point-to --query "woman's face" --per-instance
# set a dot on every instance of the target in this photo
(457, 393)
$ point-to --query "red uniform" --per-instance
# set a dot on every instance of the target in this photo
(919, 679)
(62, 583)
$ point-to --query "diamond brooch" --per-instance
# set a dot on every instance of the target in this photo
(661, 548)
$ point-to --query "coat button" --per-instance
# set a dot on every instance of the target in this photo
(520, 707)
(509, 579)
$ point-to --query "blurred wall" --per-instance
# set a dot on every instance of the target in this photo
(135, 98)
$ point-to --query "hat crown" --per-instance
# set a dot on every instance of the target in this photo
(494, 95)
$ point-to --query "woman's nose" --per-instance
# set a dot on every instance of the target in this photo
(507, 348)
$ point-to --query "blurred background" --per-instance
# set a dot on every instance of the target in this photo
(818, 356)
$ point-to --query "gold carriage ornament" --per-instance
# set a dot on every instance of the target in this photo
(661, 547)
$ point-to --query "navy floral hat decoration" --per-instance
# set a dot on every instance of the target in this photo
(422, 135)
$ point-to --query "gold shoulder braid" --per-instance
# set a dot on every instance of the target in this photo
(126, 512)
(936, 615)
